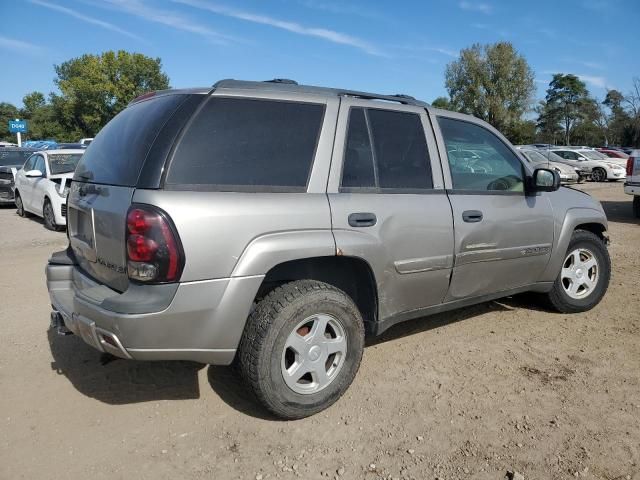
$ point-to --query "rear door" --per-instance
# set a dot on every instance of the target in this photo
(388, 203)
(503, 237)
(104, 182)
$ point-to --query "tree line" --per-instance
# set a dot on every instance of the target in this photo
(493, 82)
(92, 90)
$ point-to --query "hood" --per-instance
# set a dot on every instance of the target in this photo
(60, 176)
(63, 181)
(567, 169)
(9, 168)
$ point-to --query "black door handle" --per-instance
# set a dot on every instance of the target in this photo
(362, 219)
(472, 216)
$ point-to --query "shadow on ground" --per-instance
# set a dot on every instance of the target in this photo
(115, 381)
(620, 211)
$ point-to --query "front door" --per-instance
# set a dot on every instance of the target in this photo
(388, 203)
(503, 237)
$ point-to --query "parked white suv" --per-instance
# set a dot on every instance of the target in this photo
(632, 185)
(586, 159)
(43, 183)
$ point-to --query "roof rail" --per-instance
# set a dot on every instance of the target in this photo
(286, 81)
(291, 85)
(400, 98)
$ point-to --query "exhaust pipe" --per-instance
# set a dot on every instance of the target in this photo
(57, 323)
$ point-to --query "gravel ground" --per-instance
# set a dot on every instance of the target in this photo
(500, 387)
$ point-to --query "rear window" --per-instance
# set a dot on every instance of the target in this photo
(63, 162)
(248, 144)
(117, 154)
(13, 157)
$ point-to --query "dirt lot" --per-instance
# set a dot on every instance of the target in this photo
(498, 387)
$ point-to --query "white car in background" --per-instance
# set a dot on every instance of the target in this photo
(43, 183)
(589, 160)
(568, 174)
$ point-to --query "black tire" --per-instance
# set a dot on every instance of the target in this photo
(48, 216)
(559, 299)
(20, 206)
(636, 206)
(269, 325)
(599, 175)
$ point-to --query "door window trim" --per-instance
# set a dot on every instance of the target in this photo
(458, 191)
(383, 190)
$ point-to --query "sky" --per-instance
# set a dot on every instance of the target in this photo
(383, 46)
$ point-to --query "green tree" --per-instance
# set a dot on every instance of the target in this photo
(521, 132)
(567, 99)
(8, 112)
(493, 82)
(43, 121)
(95, 88)
(548, 124)
(442, 102)
(618, 119)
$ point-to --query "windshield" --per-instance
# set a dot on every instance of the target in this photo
(13, 157)
(593, 155)
(534, 157)
(63, 162)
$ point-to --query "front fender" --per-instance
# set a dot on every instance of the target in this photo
(572, 219)
(266, 251)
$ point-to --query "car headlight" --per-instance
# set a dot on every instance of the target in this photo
(64, 191)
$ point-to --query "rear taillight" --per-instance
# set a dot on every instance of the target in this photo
(630, 162)
(154, 252)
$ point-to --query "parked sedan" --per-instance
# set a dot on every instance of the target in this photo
(600, 169)
(567, 173)
(11, 160)
(43, 183)
(613, 153)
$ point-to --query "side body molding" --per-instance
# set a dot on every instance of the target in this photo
(267, 251)
(564, 228)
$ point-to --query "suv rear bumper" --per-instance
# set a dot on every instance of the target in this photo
(632, 188)
(198, 321)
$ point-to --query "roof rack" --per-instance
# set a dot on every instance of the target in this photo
(286, 81)
(292, 85)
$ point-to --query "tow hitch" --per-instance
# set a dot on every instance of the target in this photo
(57, 323)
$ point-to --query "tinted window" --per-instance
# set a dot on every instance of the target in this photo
(239, 143)
(9, 156)
(117, 154)
(478, 159)
(399, 158)
(357, 170)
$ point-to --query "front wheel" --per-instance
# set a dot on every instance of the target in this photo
(636, 206)
(20, 206)
(301, 348)
(48, 216)
(584, 277)
(599, 175)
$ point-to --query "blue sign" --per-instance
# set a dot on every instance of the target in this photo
(16, 126)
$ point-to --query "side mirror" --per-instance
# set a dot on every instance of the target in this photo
(34, 174)
(545, 180)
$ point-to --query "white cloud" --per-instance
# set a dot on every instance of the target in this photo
(19, 46)
(85, 18)
(323, 33)
(600, 82)
(164, 17)
(476, 7)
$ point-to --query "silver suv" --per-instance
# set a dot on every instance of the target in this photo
(275, 225)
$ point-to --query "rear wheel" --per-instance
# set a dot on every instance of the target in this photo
(636, 206)
(48, 216)
(599, 175)
(301, 348)
(584, 277)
